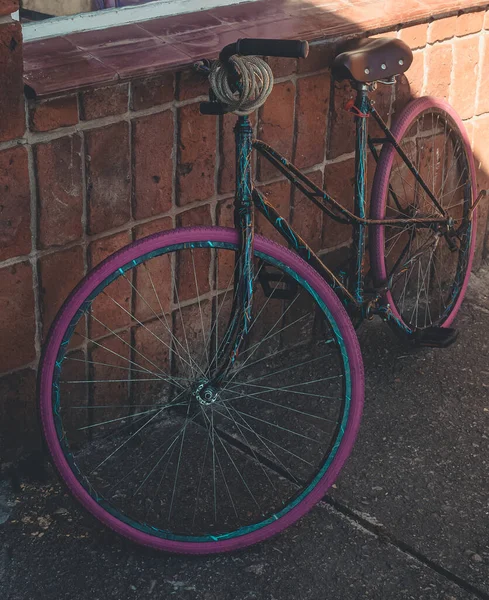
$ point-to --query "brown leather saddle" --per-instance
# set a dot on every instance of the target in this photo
(368, 60)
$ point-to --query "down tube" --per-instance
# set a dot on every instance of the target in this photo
(359, 230)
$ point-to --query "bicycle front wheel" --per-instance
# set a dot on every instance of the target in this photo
(141, 438)
(428, 278)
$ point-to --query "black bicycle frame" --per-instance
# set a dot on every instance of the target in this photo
(246, 196)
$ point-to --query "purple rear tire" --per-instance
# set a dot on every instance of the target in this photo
(380, 194)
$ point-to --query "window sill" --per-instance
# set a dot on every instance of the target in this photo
(93, 58)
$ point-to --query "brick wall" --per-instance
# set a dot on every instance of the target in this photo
(83, 174)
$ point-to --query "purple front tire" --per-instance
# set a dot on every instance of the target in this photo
(338, 320)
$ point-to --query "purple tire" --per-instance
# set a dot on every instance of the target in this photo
(336, 313)
(380, 192)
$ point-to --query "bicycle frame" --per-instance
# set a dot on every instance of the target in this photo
(360, 302)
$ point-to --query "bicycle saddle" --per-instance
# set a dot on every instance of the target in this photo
(368, 60)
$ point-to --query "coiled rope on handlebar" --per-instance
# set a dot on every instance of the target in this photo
(254, 87)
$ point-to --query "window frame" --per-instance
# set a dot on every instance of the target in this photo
(114, 17)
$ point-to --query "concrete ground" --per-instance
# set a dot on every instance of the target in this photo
(407, 519)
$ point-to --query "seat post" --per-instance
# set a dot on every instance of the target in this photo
(362, 111)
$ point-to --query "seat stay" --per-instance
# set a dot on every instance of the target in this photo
(390, 139)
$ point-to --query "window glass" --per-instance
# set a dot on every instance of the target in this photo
(39, 10)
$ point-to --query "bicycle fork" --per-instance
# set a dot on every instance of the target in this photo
(240, 321)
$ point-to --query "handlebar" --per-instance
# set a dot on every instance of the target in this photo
(261, 47)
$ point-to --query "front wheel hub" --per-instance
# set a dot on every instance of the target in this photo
(205, 393)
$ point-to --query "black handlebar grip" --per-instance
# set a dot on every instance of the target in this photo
(213, 108)
(258, 47)
(283, 48)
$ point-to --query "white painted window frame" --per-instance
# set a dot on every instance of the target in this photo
(113, 17)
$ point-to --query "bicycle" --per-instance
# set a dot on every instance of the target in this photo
(201, 388)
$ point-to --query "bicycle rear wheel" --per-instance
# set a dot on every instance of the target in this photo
(428, 279)
(158, 457)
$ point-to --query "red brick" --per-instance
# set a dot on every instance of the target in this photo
(191, 84)
(276, 125)
(342, 134)
(339, 181)
(59, 177)
(108, 177)
(466, 60)
(481, 151)
(439, 69)
(410, 84)
(282, 67)
(415, 36)
(8, 6)
(17, 321)
(196, 155)
(53, 114)
(103, 307)
(104, 102)
(227, 153)
(311, 116)
(225, 213)
(195, 217)
(306, 217)
(278, 194)
(320, 57)
(486, 20)
(12, 121)
(151, 227)
(469, 23)
(187, 287)
(100, 249)
(483, 97)
(153, 164)
(154, 275)
(15, 209)
(442, 29)
(147, 93)
(58, 275)
(415, 74)
(18, 415)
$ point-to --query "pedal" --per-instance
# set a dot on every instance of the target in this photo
(435, 337)
(276, 284)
